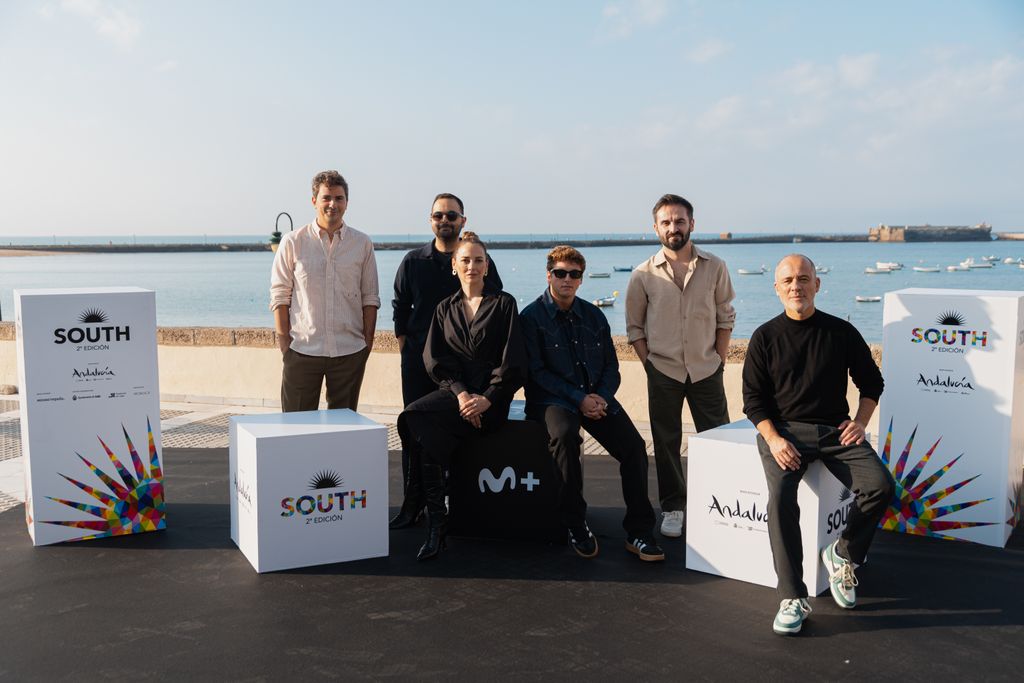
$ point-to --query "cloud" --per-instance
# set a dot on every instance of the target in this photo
(721, 114)
(619, 20)
(858, 71)
(46, 12)
(808, 80)
(108, 20)
(708, 50)
(166, 65)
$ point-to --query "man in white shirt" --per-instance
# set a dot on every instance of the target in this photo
(324, 295)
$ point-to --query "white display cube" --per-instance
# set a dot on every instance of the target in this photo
(727, 509)
(952, 414)
(308, 488)
(90, 412)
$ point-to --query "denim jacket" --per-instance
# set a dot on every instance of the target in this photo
(553, 376)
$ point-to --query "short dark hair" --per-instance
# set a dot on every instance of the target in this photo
(330, 179)
(566, 254)
(671, 200)
(449, 195)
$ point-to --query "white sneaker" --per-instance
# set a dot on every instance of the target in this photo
(790, 618)
(842, 581)
(672, 523)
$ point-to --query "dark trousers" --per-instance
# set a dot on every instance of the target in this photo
(619, 437)
(857, 467)
(433, 425)
(665, 397)
(416, 383)
(303, 376)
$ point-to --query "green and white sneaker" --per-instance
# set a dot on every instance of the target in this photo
(841, 579)
(790, 618)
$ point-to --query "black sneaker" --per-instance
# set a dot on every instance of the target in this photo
(582, 541)
(645, 548)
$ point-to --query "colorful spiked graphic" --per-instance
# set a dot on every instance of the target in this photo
(914, 508)
(134, 504)
(1016, 505)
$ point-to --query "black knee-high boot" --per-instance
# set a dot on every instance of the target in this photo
(437, 512)
(412, 503)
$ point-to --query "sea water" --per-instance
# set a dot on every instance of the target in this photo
(231, 289)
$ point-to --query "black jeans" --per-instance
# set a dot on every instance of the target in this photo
(665, 397)
(857, 467)
(619, 437)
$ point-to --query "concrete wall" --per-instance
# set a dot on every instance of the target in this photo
(243, 367)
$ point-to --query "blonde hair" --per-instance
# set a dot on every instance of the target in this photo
(470, 237)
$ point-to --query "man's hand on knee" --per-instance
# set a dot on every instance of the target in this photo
(851, 432)
(785, 454)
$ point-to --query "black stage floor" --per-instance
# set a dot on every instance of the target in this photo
(185, 604)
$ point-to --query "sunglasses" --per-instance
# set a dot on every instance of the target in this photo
(560, 273)
(441, 215)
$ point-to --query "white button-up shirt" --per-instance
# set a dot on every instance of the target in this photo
(325, 283)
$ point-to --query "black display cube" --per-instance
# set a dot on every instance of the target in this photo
(504, 485)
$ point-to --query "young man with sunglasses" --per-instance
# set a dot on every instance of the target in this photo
(573, 376)
(424, 279)
(679, 318)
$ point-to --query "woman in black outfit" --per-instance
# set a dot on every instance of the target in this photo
(475, 353)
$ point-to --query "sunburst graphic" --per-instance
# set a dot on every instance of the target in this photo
(137, 503)
(913, 509)
(1016, 505)
(92, 315)
(845, 495)
(950, 318)
(325, 479)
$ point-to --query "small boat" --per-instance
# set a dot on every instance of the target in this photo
(926, 269)
(821, 270)
(606, 301)
(867, 299)
(1020, 264)
(888, 265)
(623, 269)
(600, 275)
(953, 269)
(971, 263)
(1010, 259)
(877, 271)
(748, 271)
(990, 259)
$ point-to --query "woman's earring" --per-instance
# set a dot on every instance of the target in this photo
(453, 272)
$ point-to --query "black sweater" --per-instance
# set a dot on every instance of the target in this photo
(796, 370)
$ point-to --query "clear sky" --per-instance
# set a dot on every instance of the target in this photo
(121, 117)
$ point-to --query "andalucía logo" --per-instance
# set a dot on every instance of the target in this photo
(329, 500)
(948, 338)
(944, 383)
(751, 513)
(95, 335)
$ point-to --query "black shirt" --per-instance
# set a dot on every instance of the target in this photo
(485, 356)
(797, 370)
(423, 280)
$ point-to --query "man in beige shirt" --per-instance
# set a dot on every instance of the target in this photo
(324, 295)
(679, 318)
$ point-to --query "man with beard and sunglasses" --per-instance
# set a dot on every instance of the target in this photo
(424, 279)
(679, 318)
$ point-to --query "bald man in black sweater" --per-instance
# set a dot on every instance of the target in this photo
(794, 391)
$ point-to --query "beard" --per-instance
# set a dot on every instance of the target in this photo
(447, 232)
(675, 241)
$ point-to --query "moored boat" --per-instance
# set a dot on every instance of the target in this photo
(600, 275)
(867, 299)
(877, 271)
(606, 301)
(926, 269)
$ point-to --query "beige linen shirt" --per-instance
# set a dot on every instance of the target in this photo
(325, 282)
(679, 324)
